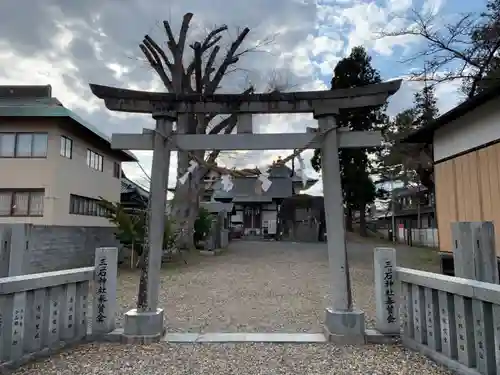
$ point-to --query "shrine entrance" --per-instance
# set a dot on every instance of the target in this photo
(252, 219)
(342, 323)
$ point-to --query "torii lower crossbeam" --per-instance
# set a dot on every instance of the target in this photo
(194, 142)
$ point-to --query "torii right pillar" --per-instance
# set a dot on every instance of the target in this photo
(343, 324)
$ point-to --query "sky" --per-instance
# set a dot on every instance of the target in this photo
(69, 44)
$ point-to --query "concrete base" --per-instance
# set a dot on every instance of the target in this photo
(211, 252)
(241, 337)
(373, 336)
(345, 327)
(143, 327)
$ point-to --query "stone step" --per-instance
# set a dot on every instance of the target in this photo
(245, 337)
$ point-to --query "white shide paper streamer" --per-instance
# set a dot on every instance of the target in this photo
(264, 179)
(227, 182)
(192, 166)
(302, 170)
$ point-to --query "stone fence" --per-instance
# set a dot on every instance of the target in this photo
(455, 321)
(44, 312)
(28, 248)
(425, 237)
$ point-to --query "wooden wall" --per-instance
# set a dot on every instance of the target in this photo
(468, 189)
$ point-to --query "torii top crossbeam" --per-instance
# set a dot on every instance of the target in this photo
(124, 100)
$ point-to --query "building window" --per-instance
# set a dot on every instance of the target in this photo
(66, 147)
(95, 160)
(116, 170)
(23, 145)
(79, 205)
(21, 202)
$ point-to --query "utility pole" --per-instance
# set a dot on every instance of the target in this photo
(393, 209)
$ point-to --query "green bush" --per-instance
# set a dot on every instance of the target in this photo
(202, 225)
(131, 226)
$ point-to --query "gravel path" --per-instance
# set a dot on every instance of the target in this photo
(259, 287)
(254, 287)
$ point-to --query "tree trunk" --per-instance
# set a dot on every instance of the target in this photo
(362, 221)
(142, 295)
(186, 203)
(348, 220)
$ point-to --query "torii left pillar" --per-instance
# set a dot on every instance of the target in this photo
(343, 324)
(146, 324)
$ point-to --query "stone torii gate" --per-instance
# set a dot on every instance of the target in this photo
(342, 322)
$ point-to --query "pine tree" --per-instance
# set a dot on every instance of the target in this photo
(355, 167)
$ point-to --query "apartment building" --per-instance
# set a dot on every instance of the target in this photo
(54, 166)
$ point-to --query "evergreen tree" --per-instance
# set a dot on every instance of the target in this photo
(355, 167)
(426, 109)
(410, 163)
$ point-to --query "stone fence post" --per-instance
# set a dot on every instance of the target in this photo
(13, 247)
(474, 255)
(386, 291)
(105, 281)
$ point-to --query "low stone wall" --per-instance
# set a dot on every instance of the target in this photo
(455, 321)
(44, 312)
(53, 248)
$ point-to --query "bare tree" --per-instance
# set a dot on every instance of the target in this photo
(203, 74)
(454, 51)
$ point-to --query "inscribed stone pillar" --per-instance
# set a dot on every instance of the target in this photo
(13, 309)
(105, 280)
(36, 315)
(496, 332)
(386, 296)
(342, 323)
(158, 196)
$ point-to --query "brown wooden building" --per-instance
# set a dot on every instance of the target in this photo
(466, 147)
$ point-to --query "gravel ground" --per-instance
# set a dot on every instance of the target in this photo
(261, 287)
(254, 287)
(229, 359)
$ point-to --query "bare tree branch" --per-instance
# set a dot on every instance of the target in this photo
(228, 60)
(233, 121)
(451, 52)
(211, 40)
(181, 44)
(223, 124)
(197, 64)
(171, 43)
(148, 41)
(209, 67)
(156, 64)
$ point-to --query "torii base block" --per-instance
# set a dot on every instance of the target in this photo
(345, 327)
(143, 327)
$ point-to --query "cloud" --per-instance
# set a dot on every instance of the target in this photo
(69, 44)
